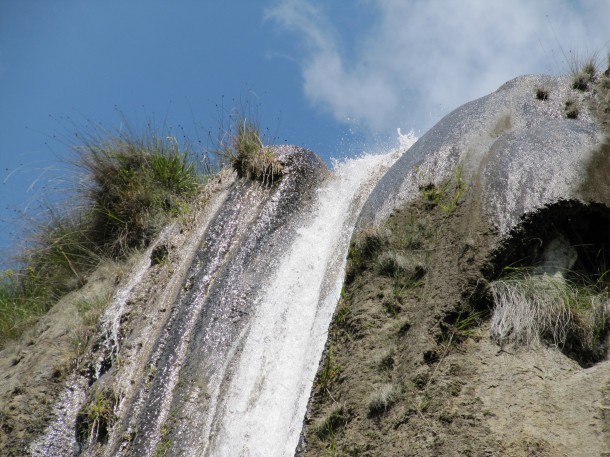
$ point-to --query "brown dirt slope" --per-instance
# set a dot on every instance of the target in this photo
(410, 370)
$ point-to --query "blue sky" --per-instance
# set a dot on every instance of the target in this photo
(336, 77)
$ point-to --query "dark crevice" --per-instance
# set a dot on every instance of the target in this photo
(586, 226)
(587, 229)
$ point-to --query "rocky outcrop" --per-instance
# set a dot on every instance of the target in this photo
(518, 151)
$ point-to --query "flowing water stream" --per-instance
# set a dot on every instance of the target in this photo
(230, 369)
(262, 410)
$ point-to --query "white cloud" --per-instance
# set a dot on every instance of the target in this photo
(419, 59)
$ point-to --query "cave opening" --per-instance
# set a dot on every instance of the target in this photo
(550, 281)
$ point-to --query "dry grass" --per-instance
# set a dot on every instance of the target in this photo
(531, 308)
(382, 399)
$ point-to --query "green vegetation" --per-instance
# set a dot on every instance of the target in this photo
(458, 327)
(446, 195)
(364, 249)
(395, 265)
(96, 418)
(248, 156)
(132, 186)
(333, 420)
(136, 184)
(343, 318)
(585, 75)
(329, 372)
(164, 443)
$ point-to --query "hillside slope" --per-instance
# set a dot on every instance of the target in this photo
(410, 368)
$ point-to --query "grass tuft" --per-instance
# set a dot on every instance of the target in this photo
(248, 156)
(533, 308)
(585, 76)
(96, 418)
(382, 399)
(364, 249)
(136, 183)
(331, 422)
(394, 265)
(330, 371)
(446, 195)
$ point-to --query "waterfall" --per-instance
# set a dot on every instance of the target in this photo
(221, 361)
(263, 408)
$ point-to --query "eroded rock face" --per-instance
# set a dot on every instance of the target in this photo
(517, 153)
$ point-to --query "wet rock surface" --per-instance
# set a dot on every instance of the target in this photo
(164, 343)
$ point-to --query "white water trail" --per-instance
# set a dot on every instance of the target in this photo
(264, 406)
(59, 436)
